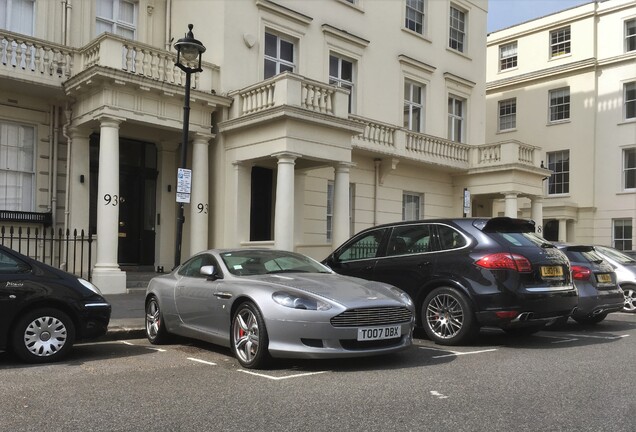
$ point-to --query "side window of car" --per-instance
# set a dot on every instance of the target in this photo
(449, 238)
(363, 247)
(410, 239)
(9, 265)
(192, 268)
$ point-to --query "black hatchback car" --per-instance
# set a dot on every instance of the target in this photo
(595, 280)
(463, 274)
(43, 310)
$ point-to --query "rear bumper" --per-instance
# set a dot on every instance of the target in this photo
(530, 308)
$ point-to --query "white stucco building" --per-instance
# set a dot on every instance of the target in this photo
(567, 83)
(310, 121)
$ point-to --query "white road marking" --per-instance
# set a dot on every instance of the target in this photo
(280, 378)
(201, 361)
(457, 353)
(438, 395)
(127, 343)
(599, 337)
(561, 338)
(156, 349)
(565, 340)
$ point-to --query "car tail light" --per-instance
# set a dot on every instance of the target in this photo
(505, 261)
(580, 272)
(506, 314)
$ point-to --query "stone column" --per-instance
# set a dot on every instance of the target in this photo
(299, 206)
(200, 198)
(166, 204)
(237, 212)
(106, 274)
(537, 214)
(284, 208)
(563, 230)
(341, 204)
(510, 209)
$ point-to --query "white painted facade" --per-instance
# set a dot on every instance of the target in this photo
(598, 204)
(288, 161)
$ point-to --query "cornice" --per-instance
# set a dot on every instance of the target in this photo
(543, 73)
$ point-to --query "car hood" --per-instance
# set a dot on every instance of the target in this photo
(347, 291)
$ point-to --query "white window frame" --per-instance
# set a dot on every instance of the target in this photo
(455, 118)
(457, 28)
(624, 240)
(629, 98)
(508, 56)
(630, 35)
(629, 169)
(411, 206)
(563, 43)
(338, 81)
(411, 106)
(559, 181)
(276, 59)
(415, 13)
(9, 20)
(507, 120)
(557, 107)
(115, 22)
(10, 157)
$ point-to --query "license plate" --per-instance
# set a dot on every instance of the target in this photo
(551, 271)
(379, 333)
(604, 278)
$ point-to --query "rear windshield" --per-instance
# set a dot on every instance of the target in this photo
(583, 256)
(616, 255)
(521, 239)
(506, 225)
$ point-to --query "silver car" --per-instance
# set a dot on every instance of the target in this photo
(625, 268)
(266, 303)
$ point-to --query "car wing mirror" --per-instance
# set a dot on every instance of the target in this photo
(210, 272)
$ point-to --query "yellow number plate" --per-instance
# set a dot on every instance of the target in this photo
(551, 271)
(604, 278)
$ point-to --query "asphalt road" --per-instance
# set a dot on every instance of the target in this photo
(575, 379)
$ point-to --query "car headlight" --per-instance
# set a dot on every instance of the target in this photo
(402, 295)
(296, 301)
(90, 286)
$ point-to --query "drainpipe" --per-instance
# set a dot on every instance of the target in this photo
(56, 131)
(50, 196)
(69, 144)
(66, 26)
(168, 24)
(377, 163)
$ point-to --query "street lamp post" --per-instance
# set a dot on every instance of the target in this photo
(188, 49)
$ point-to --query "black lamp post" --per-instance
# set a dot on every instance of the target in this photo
(188, 48)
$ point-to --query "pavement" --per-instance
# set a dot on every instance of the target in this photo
(128, 317)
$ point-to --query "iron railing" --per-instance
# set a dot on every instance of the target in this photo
(69, 251)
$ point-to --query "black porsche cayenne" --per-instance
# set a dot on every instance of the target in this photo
(44, 310)
(465, 273)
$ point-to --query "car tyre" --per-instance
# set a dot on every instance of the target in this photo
(155, 326)
(249, 340)
(629, 292)
(43, 335)
(447, 317)
(594, 319)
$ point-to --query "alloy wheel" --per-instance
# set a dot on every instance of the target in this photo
(246, 335)
(445, 316)
(153, 319)
(630, 300)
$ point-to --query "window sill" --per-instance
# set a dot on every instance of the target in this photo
(459, 53)
(627, 192)
(355, 5)
(505, 131)
(501, 71)
(559, 122)
(559, 57)
(557, 196)
(416, 34)
(627, 122)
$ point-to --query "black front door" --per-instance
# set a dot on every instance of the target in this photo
(136, 201)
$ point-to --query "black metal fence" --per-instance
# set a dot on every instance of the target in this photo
(69, 251)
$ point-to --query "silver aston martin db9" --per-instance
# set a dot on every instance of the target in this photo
(266, 303)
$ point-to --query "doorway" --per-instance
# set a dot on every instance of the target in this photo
(137, 200)
(261, 208)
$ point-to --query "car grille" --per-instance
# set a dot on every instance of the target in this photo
(372, 317)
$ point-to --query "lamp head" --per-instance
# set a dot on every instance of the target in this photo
(188, 47)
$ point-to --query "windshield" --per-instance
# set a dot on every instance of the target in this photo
(616, 255)
(252, 262)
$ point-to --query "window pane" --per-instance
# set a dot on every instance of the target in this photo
(630, 35)
(347, 71)
(287, 51)
(126, 12)
(559, 164)
(105, 9)
(270, 44)
(270, 68)
(333, 66)
(629, 168)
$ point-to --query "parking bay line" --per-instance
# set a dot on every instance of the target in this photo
(280, 378)
(457, 353)
(202, 361)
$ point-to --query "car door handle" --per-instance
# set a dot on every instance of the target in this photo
(223, 295)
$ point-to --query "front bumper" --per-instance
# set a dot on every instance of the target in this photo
(93, 319)
(321, 340)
